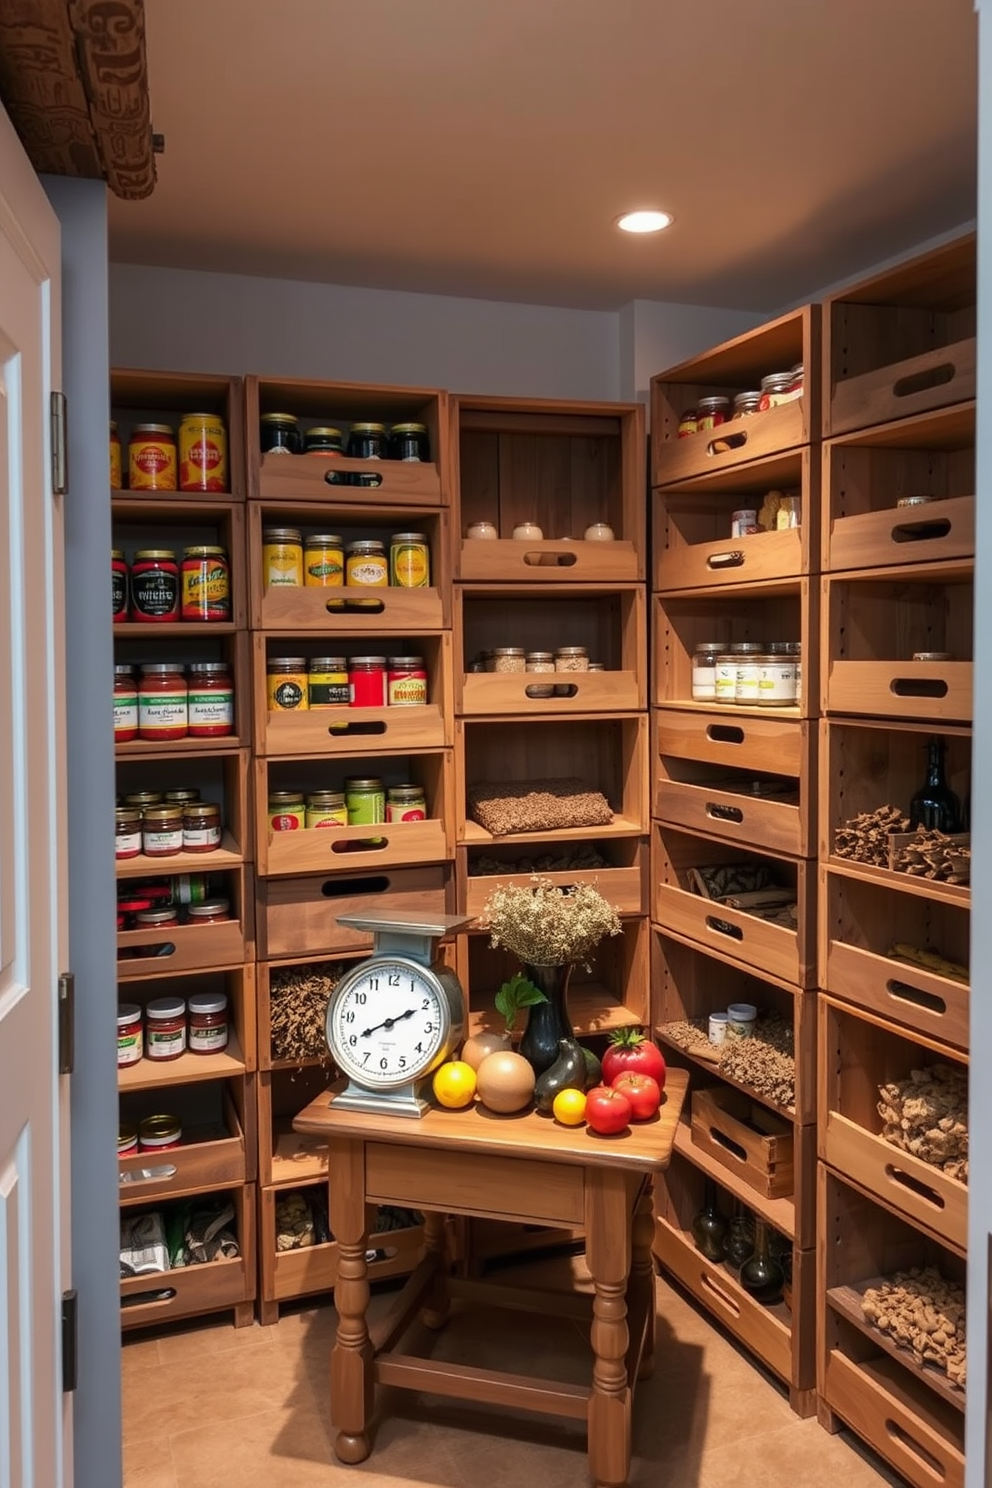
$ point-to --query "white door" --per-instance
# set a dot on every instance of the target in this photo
(34, 1219)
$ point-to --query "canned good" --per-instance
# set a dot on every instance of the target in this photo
(206, 584)
(704, 662)
(743, 523)
(409, 442)
(775, 390)
(688, 424)
(202, 453)
(409, 560)
(127, 832)
(711, 412)
(151, 458)
(367, 442)
(165, 1029)
(159, 1133)
(367, 681)
(119, 575)
(287, 684)
(326, 809)
(406, 682)
(202, 830)
(162, 831)
(116, 459)
(163, 702)
(406, 803)
(365, 798)
(323, 561)
(280, 434)
(366, 565)
(155, 586)
(211, 700)
(282, 558)
(125, 705)
(287, 811)
(327, 682)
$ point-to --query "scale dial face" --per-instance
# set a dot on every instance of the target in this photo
(388, 1022)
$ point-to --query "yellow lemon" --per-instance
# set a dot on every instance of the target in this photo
(454, 1084)
(570, 1107)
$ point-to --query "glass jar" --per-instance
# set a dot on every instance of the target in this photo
(406, 803)
(323, 561)
(127, 832)
(482, 531)
(116, 458)
(282, 558)
(155, 586)
(130, 1034)
(127, 1140)
(327, 444)
(797, 378)
(367, 681)
(762, 1275)
(598, 532)
(163, 702)
(162, 831)
(159, 1133)
(202, 829)
(211, 700)
(365, 797)
(571, 659)
(327, 682)
(206, 585)
(125, 705)
(207, 1023)
(287, 684)
(119, 577)
(367, 442)
(540, 661)
(776, 681)
(788, 513)
(141, 800)
(326, 809)
(509, 659)
(151, 458)
(210, 912)
(287, 811)
(709, 1228)
(746, 676)
(746, 404)
(409, 560)
(155, 919)
(409, 442)
(366, 565)
(711, 412)
(775, 390)
(202, 452)
(187, 888)
(704, 660)
(165, 1028)
(406, 682)
(688, 424)
(181, 797)
(742, 1018)
(726, 668)
(280, 434)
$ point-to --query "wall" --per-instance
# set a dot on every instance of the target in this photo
(655, 334)
(82, 210)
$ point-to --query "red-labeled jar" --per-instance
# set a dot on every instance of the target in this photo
(210, 912)
(155, 919)
(116, 458)
(119, 586)
(127, 832)
(125, 705)
(206, 584)
(165, 1028)
(207, 1023)
(130, 1034)
(211, 700)
(127, 1141)
(202, 830)
(159, 1133)
(287, 811)
(155, 586)
(163, 702)
(406, 682)
(367, 681)
(162, 832)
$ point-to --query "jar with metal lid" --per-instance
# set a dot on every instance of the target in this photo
(598, 666)
(482, 531)
(151, 458)
(202, 829)
(798, 378)
(181, 797)
(127, 1140)
(202, 453)
(116, 458)
(688, 424)
(207, 1023)
(406, 803)
(406, 682)
(125, 705)
(159, 1133)
(210, 912)
(775, 390)
(509, 659)
(282, 558)
(327, 682)
(326, 809)
(748, 656)
(367, 442)
(365, 797)
(155, 586)
(745, 404)
(206, 584)
(188, 888)
(287, 684)
(143, 799)
(711, 412)
(163, 702)
(367, 681)
(776, 681)
(162, 831)
(726, 668)
(704, 660)
(409, 442)
(540, 661)
(488, 659)
(323, 561)
(165, 1027)
(287, 811)
(119, 578)
(127, 832)
(571, 659)
(794, 650)
(366, 565)
(328, 444)
(409, 560)
(130, 1034)
(280, 434)
(211, 700)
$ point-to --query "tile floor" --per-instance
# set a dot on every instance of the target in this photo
(213, 1405)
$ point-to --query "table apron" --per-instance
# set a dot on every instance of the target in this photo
(510, 1188)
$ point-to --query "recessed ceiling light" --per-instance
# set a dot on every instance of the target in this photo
(645, 222)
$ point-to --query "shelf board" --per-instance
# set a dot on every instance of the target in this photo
(732, 710)
(904, 883)
(780, 1213)
(846, 1300)
(788, 1113)
(188, 1069)
(591, 1008)
(778, 1312)
(156, 749)
(139, 499)
(621, 826)
(228, 855)
(132, 630)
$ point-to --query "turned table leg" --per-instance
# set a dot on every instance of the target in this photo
(352, 1386)
(435, 1313)
(642, 1274)
(608, 1238)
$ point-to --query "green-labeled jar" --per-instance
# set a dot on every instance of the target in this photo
(365, 798)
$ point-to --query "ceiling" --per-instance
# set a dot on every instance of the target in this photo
(485, 147)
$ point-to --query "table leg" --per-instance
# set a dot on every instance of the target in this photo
(435, 1314)
(352, 1385)
(642, 1273)
(608, 1238)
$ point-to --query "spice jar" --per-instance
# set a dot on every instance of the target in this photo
(159, 1133)
(280, 434)
(409, 442)
(365, 797)
(509, 659)
(202, 830)
(367, 681)
(326, 809)
(286, 682)
(711, 412)
(206, 584)
(165, 1028)
(125, 705)
(774, 390)
(155, 586)
(366, 565)
(746, 404)
(367, 442)
(687, 424)
(119, 575)
(704, 660)
(598, 532)
(406, 803)
(130, 1034)
(207, 1023)
(327, 444)
(571, 659)
(151, 458)
(210, 912)
(187, 888)
(409, 560)
(202, 453)
(211, 700)
(776, 681)
(162, 831)
(406, 682)
(726, 669)
(323, 561)
(717, 1028)
(163, 702)
(127, 832)
(155, 919)
(282, 558)
(116, 460)
(287, 811)
(327, 682)
(540, 661)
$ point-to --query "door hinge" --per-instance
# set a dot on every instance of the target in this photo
(60, 433)
(67, 1022)
(70, 1341)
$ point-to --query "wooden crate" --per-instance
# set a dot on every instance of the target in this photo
(297, 916)
(749, 1140)
(135, 644)
(163, 397)
(181, 521)
(345, 731)
(901, 342)
(737, 366)
(624, 881)
(866, 474)
(785, 610)
(561, 465)
(740, 937)
(198, 1166)
(144, 954)
(218, 777)
(860, 923)
(302, 477)
(215, 1286)
(875, 621)
(857, 1053)
(611, 624)
(238, 1059)
(287, 1157)
(693, 545)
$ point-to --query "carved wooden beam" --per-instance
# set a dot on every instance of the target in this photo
(74, 80)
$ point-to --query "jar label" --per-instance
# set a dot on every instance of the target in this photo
(326, 694)
(206, 589)
(125, 711)
(118, 585)
(286, 821)
(287, 694)
(163, 842)
(405, 813)
(198, 838)
(163, 710)
(370, 571)
(208, 1040)
(331, 817)
(407, 692)
(129, 1047)
(283, 567)
(326, 571)
(365, 810)
(211, 710)
(127, 845)
(163, 1045)
(155, 593)
(411, 565)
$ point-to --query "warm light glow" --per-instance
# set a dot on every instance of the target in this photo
(644, 222)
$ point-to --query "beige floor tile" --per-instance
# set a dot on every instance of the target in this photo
(213, 1336)
(149, 1465)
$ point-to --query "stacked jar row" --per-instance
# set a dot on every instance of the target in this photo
(170, 702)
(364, 800)
(281, 434)
(776, 388)
(323, 560)
(163, 824)
(296, 685)
(156, 589)
(169, 1026)
(756, 673)
(157, 462)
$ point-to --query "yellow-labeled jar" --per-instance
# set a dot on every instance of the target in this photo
(282, 558)
(326, 809)
(286, 684)
(323, 561)
(409, 560)
(366, 565)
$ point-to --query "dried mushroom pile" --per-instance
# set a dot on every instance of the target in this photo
(745, 886)
(580, 858)
(925, 1314)
(298, 1009)
(934, 855)
(765, 1062)
(927, 1115)
(865, 838)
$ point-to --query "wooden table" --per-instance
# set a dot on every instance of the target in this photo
(521, 1168)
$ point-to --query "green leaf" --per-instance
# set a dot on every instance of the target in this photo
(519, 992)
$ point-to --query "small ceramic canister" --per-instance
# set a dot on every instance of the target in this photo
(741, 1018)
(528, 532)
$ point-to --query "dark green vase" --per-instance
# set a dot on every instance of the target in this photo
(547, 1022)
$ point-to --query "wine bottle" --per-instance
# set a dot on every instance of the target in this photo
(935, 806)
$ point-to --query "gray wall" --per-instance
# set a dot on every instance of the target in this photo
(82, 210)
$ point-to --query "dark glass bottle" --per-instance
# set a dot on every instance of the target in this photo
(935, 805)
(709, 1228)
(740, 1239)
(762, 1275)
